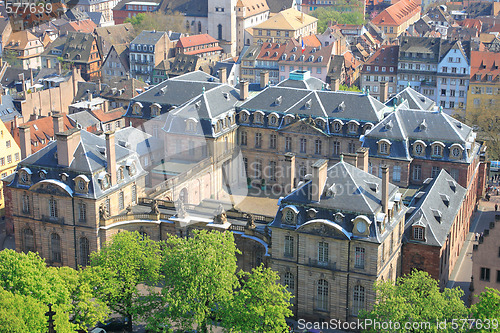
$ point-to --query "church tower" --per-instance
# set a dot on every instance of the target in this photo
(222, 23)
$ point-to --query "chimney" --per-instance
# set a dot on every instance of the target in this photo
(49, 64)
(67, 142)
(99, 86)
(289, 180)
(319, 174)
(25, 140)
(363, 158)
(31, 77)
(351, 159)
(264, 79)
(59, 68)
(384, 91)
(335, 85)
(58, 122)
(223, 75)
(243, 90)
(105, 106)
(75, 83)
(111, 156)
(385, 188)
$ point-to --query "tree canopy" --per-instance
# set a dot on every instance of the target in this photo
(158, 21)
(26, 278)
(124, 263)
(487, 310)
(327, 15)
(486, 121)
(416, 298)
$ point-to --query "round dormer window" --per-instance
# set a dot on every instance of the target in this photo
(42, 174)
(456, 152)
(336, 127)
(132, 169)
(273, 120)
(81, 185)
(244, 117)
(105, 182)
(289, 216)
(418, 149)
(24, 177)
(361, 227)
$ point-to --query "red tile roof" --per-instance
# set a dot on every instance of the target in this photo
(484, 63)
(398, 13)
(106, 117)
(312, 41)
(471, 23)
(386, 56)
(86, 26)
(41, 132)
(271, 51)
(195, 40)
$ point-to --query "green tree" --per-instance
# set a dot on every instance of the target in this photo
(261, 304)
(20, 313)
(11, 58)
(124, 264)
(416, 298)
(158, 21)
(487, 310)
(27, 275)
(327, 15)
(347, 88)
(199, 275)
(486, 121)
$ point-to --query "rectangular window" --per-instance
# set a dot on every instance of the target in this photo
(121, 200)
(258, 140)
(288, 246)
(288, 144)
(352, 148)
(9, 159)
(17, 157)
(359, 261)
(8, 144)
(435, 171)
(82, 212)
(417, 172)
(485, 274)
(336, 148)
(272, 141)
(243, 138)
(452, 93)
(134, 193)
(317, 147)
(396, 173)
(455, 173)
(272, 170)
(418, 233)
(303, 145)
(323, 252)
(461, 93)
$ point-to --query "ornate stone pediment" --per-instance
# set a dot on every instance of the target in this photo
(303, 126)
(52, 188)
(324, 228)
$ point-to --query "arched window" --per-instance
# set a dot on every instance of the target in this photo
(219, 31)
(28, 240)
(84, 251)
(55, 247)
(322, 295)
(358, 299)
(437, 150)
(289, 281)
(53, 207)
(199, 27)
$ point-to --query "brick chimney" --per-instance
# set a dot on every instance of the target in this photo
(335, 86)
(289, 180)
(67, 142)
(363, 158)
(111, 156)
(25, 140)
(319, 174)
(385, 189)
(58, 122)
(384, 91)
(223, 75)
(264, 79)
(351, 159)
(243, 90)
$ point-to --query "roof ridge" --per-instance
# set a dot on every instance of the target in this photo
(344, 164)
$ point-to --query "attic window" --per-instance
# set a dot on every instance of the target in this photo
(226, 95)
(418, 233)
(388, 125)
(372, 186)
(422, 126)
(341, 106)
(445, 198)
(308, 104)
(330, 191)
(452, 185)
(437, 214)
(278, 100)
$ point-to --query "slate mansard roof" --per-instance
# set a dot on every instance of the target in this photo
(205, 110)
(89, 160)
(173, 92)
(415, 100)
(349, 191)
(435, 208)
(340, 105)
(404, 127)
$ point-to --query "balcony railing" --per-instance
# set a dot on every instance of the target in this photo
(323, 264)
(51, 219)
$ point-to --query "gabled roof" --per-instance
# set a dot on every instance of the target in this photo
(86, 26)
(277, 6)
(149, 37)
(194, 8)
(415, 100)
(122, 52)
(41, 132)
(195, 40)
(442, 198)
(78, 47)
(484, 64)
(19, 40)
(289, 19)
(271, 51)
(115, 35)
(253, 7)
(386, 56)
(397, 13)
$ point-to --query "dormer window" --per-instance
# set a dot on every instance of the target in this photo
(361, 225)
(437, 149)
(258, 117)
(456, 151)
(25, 176)
(384, 146)
(243, 116)
(289, 215)
(120, 174)
(288, 119)
(353, 127)
(137, 108)
(337, 126)
(418, 233)
(82, 184)
(104, 179)
(419, 147)
(273, 120)
(155, 110)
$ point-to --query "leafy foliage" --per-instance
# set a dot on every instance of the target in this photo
(326, 15)
(347, 88)
(26, 275)
(20, 313)
(261, 304)
(487, 123)
(416, 298)
(11, 58)
(157, 21)
(123, 264)
(488, 306)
